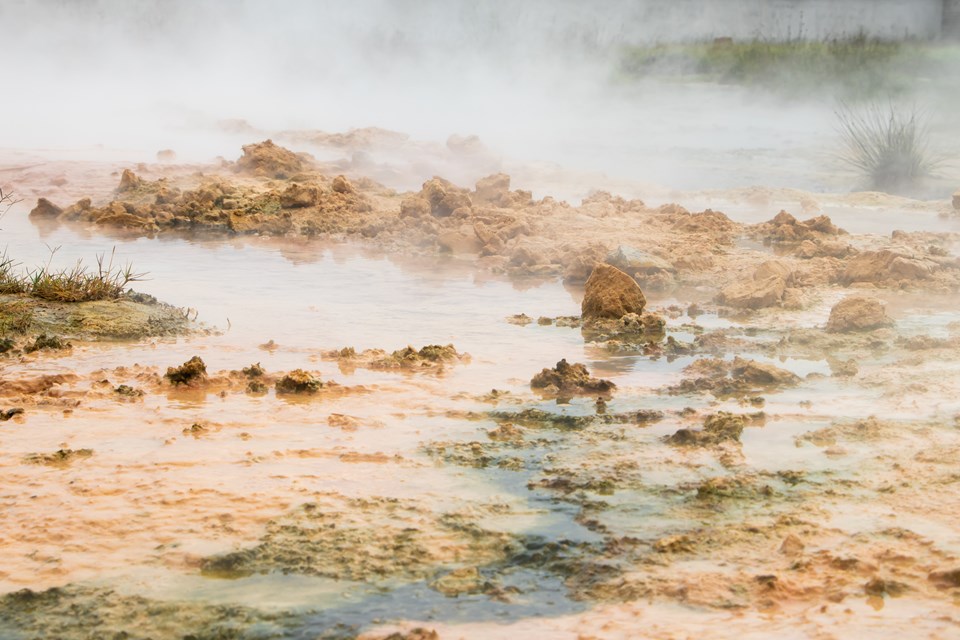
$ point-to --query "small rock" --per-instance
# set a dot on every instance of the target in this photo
(298, 381)
(444, 197)
(945, 578)
(956, 200)
(460, 581)
(857, 313)
(128, 181)
(570, 378)
(759, 373)
(191, 370)
(6, 414)
(342, 185)
(792, 546)
(45, 209)
(717, 428)
(298, 196)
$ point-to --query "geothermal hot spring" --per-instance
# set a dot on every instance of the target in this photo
(388, 434)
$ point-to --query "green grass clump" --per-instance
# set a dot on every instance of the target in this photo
(80, 284)
(10, 282)
(887, 146)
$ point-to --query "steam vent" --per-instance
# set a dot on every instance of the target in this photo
(447, 320)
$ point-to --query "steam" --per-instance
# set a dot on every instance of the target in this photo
(535, 80)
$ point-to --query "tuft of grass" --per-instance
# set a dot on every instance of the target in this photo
(9, 281)
(80, 284)
(887, 146)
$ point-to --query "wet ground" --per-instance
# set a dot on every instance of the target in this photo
(450, 496)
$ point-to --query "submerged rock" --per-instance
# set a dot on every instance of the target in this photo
(733, 378)
(60, 458)
(857, 313)
(760, 374)
(611, 294)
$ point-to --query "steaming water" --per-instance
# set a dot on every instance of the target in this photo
(264, 456)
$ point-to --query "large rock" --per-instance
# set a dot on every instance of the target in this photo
(611, 294)
(857, 313)
(754, 294)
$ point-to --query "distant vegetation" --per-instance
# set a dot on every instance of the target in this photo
(854, 68)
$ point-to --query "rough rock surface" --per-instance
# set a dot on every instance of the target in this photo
(269, 160)
(884, 266)
(128, 182)
(857, 313)
(570, 378)
(787, 229)
(45, 209)
(611, 294)
(754, 294)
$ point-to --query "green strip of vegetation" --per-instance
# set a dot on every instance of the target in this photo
(859, 67)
